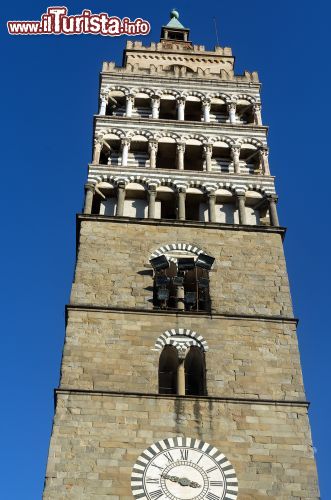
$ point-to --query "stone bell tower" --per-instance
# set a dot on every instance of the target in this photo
(181, 374)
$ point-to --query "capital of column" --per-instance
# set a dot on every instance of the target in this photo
(206, 103)
(121, 185)
(152, 145)
(125, 142)
(181, 189)
(180, 147)
(152, 189)
(257, 106)
(207, 149)
(272, 197)
(130, 98)
(181, 100)
(155, 100)
(232, 106)
(89, 187)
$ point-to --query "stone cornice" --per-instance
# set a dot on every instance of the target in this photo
(177, 223)
(181, 314)
(214, 399)
(257, 131)
(192, 177)
(202, 82)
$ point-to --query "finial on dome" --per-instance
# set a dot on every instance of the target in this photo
(174, 14)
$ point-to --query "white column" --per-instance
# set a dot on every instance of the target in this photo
(180, 155)
(273, 210)
(181, 203)
(232, 111)
(257, 114)
(155, 106)
(125, 144)
(97, 151)
(151, 201)
(152, 147)
(264, 161)
(235, 153)
(129, 105)
(103, 104)
(181, 378)
(120, 199)
(207, 155)
(211, 207)
(181, 108)
(89, 192)
(241, 208)
(206, 110)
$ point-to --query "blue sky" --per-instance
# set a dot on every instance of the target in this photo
(49, 94)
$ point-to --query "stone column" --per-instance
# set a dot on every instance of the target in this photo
(180, 293)
(89, 193)
(264, 161)
(151, 201)
(181, 203)
(125, 144)
(206, 105)
(211, 207)
(97, 151)
(207, 155)
(241, 208)
(180, 155)
(120, 198)
(129, 105)
(152, 147)
(257, 114)
(235, 153)
(181, 378)
(273, 210)
(155, 106)
(103, 104)
(181, 108)
(232, 112)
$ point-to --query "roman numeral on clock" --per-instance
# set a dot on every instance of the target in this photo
(168, 456)
(184, 454)
(211, 496)
(157, 466)
(157, 494)
(216, 483)
(211, 469)
(152, 480)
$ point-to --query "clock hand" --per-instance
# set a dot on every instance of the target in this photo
(183, 481)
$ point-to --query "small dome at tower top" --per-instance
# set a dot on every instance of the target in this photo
(174, 13)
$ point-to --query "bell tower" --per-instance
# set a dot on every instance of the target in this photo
(180, 375)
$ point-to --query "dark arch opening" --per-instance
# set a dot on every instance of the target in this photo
(168, 366)
(195, 383)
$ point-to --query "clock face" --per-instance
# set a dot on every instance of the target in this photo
(183, 468)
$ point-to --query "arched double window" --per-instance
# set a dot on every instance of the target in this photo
(182, 375)
(181, 278)
(182, 368)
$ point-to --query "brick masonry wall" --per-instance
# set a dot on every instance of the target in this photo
(108, 350)
(249, 275)
(97, 438)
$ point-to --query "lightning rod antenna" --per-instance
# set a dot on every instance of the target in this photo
(216, 32)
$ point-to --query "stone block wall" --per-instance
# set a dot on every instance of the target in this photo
(97, 438)
(113, 350)
(249, 275)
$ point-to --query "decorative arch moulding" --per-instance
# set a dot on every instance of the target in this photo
(206, 186)
(180, 338)
(159, 92)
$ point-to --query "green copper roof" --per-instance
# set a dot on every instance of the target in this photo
(174, 23)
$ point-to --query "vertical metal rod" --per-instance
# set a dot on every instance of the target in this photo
(216, 32)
